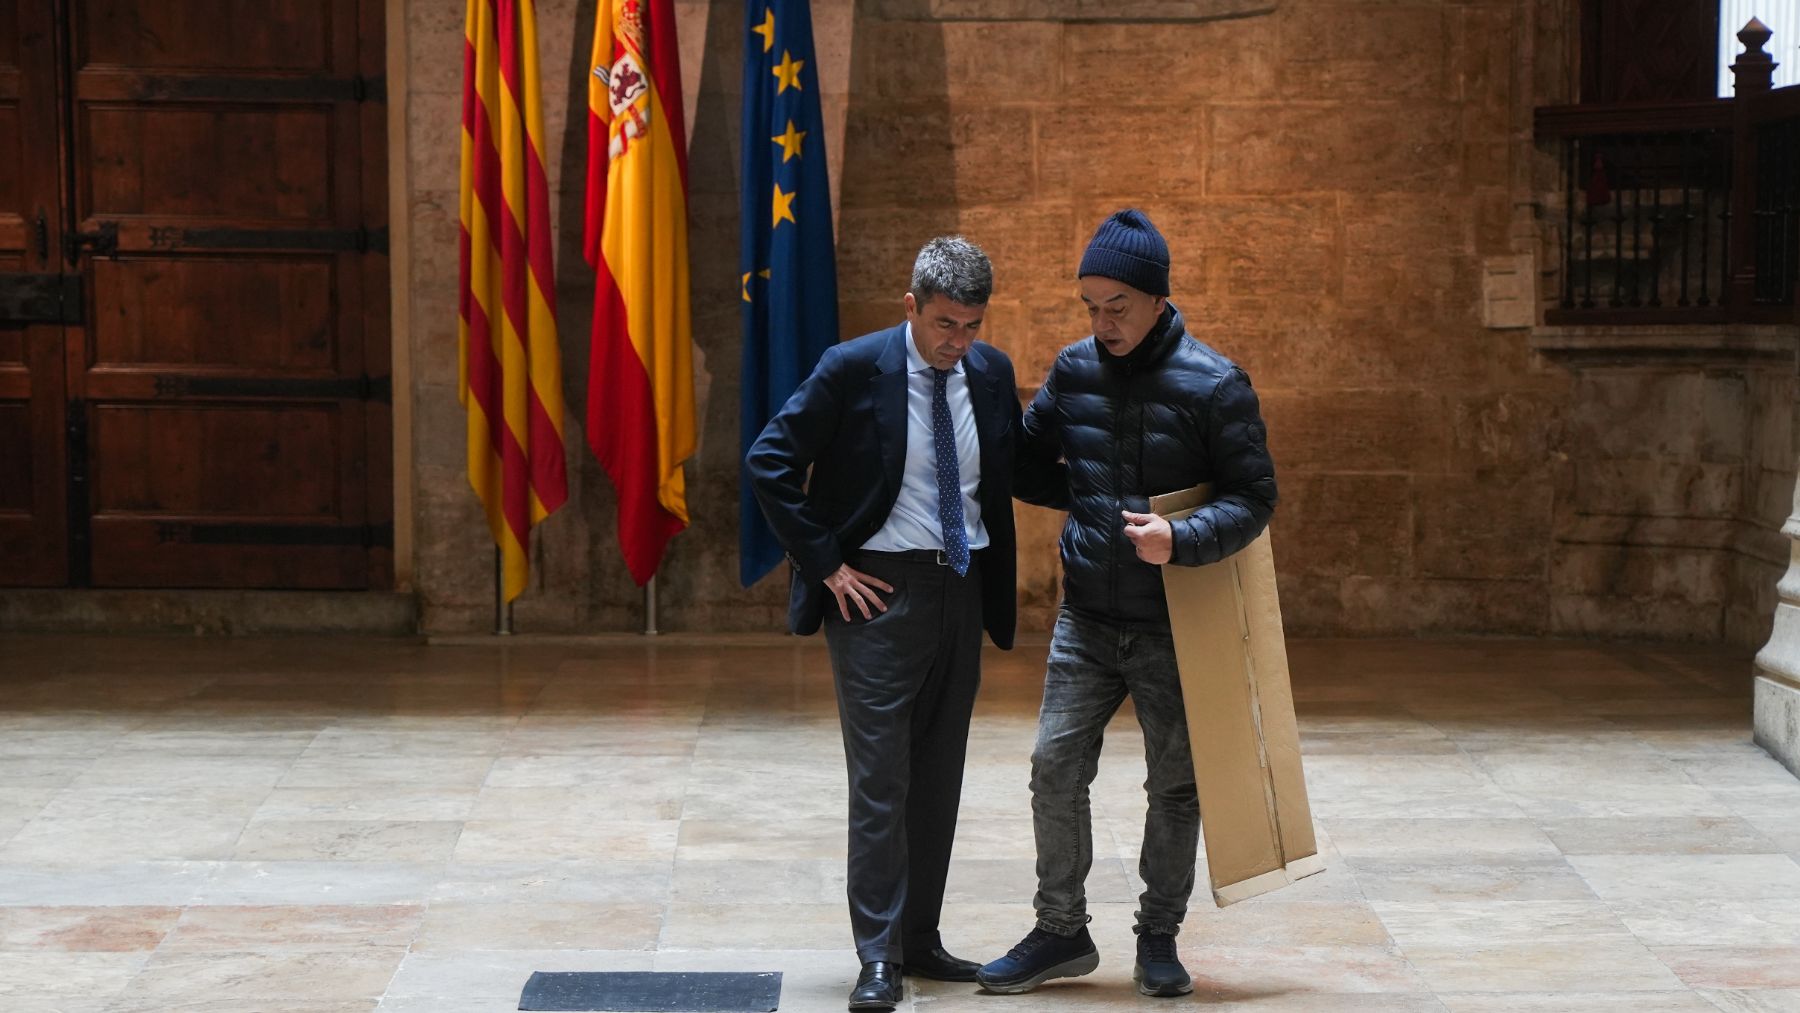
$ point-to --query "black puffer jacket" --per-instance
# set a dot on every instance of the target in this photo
(1106, 432)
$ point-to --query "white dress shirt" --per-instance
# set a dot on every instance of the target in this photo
(913, 523)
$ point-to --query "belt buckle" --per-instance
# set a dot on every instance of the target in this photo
(941, 560)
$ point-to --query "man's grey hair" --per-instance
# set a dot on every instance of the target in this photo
(955, 268)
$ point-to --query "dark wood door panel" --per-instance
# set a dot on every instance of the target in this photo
(9, 39)
(207, 35)
(33, 504)
(246, 315)
(228, 495)
(207, 163)
(204, 413)
(273, 462)
(134, 553)
(15, 467)
(221, 152)
(19, 185)
(12, 186)
(15, 364)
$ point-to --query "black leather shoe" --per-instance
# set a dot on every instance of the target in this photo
(878, 987)
(938, 965)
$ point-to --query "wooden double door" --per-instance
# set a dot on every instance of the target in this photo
(194, 385)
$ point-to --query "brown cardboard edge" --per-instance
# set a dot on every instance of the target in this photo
(1175, 505)
(1268, 882)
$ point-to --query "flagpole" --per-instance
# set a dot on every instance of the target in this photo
(503, 625)
(650, 629)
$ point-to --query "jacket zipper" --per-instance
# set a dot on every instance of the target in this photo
(1112, 574)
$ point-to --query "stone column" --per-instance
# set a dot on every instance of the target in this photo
(1778, 664)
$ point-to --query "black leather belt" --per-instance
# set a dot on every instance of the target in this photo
(936, 557)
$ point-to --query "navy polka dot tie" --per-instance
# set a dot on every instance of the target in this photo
(949, 476)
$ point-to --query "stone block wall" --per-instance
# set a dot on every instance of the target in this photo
(1676, 473)
(1332, 177)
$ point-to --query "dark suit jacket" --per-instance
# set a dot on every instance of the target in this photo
(847, 423)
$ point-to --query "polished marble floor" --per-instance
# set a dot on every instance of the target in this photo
(339, 826)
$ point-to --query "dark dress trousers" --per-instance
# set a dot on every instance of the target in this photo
(827, 471)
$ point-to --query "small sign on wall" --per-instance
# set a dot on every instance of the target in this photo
(1508, 292)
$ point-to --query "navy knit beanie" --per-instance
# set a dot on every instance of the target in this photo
(1127, 248)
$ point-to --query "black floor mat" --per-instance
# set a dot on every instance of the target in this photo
(653, 991)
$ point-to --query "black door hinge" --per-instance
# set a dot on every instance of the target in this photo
(355, 388)
(364, 536)
(358, 240)
(104, 242)
(41, 299)
(181, 88)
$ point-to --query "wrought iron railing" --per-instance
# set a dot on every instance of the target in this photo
(1680, 211)
(1775, 219)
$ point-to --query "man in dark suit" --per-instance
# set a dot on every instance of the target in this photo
(901, 544)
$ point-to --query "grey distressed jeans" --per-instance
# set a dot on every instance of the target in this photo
(1093, 666)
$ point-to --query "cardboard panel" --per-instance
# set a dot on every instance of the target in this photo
(1232, 655)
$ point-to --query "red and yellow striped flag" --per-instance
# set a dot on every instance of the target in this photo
(510, 377)
(640, 413)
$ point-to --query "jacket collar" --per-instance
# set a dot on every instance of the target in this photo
(897, 355)
(889, 390)
(1163, 337)
(893, 352)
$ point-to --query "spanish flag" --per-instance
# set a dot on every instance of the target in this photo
(640, 412)
(510, 377)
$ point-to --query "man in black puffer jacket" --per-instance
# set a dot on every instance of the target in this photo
(1140, 408)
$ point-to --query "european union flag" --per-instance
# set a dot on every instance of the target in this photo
(786, 259)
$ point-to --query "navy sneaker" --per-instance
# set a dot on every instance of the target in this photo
(1159, 971)
(1039, 957)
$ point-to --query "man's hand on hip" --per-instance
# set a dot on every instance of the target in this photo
(847, 585)
(1154, 539)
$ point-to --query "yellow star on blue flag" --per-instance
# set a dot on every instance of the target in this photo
(790, 142)
(764, 273)
(787, 72)
(767, 30)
